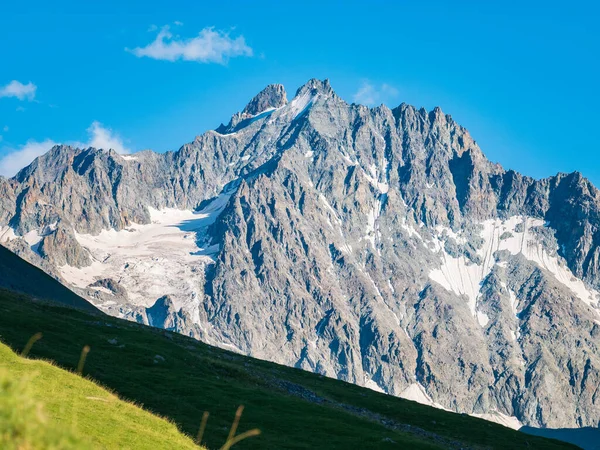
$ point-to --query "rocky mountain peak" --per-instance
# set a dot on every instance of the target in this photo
(315, 86)
(271, 97)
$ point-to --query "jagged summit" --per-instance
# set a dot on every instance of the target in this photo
(315, 86)
(271, 97)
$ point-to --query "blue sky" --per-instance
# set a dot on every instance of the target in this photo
(521, 76)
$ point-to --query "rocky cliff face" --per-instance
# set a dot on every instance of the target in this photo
(378, 246)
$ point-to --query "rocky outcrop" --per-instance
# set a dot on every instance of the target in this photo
(60, 247)
(271, 97)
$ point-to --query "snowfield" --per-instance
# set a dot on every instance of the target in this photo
(463, 277)
(164, 257)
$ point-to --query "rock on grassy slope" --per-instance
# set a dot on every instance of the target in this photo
(45, 407)
(180, 378)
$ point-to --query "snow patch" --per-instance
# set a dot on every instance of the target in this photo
(501, 419)
(370, 384)
(300, 104)
(410, 229)
(152, 260)
(372, 178)
(370, 228)
(390, 286)
(417, 393)
(33, 237)
(464, 277)
(330, 208)
(513, 302)
(483, 319)
(7, 234)
(460, 276)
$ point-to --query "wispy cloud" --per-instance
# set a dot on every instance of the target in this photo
(16, 159)
(370, 94)
(99, 137)
(105, 138)
(19, 90)
(210, 46)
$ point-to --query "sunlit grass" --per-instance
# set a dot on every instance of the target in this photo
(45, 407)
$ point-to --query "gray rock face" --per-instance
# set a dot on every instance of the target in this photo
(378, 246)
(271, 97)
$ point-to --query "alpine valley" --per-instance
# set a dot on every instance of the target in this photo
(374, 245)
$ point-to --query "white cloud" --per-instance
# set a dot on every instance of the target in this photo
(16, 159)
(19, 90)
(210, 46)
(369, 94)
(99, 137)
(105, 138)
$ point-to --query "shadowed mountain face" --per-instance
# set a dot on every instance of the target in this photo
(378, 246)
(19, 276)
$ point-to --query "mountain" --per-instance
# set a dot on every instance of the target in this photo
(377, 246)
(179, 379)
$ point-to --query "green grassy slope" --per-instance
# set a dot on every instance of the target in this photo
(43, 406)
(180, 378)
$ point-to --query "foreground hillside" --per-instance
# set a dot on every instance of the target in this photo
(180, 378)
(43, 406)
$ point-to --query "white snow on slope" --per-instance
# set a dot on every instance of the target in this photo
(370, 230)
(461, 276)
(371, 384)
(482, 318)
(7, 234)
(151, 260)
(33, 237)
(514, 302)
(410, 229)
(501, 419)
(300, 104)
(372, 178)
(416, 392)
